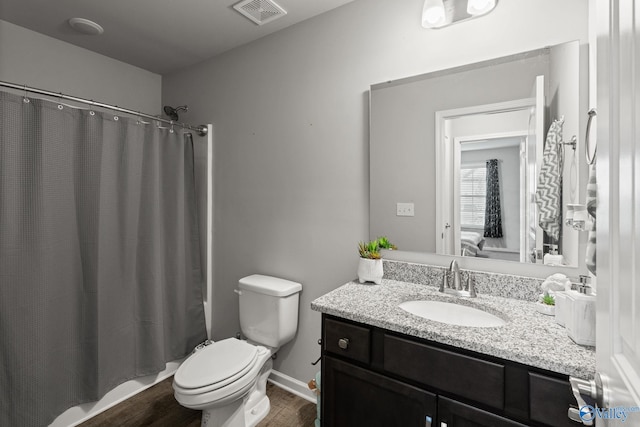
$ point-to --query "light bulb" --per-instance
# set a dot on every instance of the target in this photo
(433, 13)
(480, 7)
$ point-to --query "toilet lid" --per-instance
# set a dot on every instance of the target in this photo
(215, 363)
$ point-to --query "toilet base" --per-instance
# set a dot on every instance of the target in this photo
(245, 412)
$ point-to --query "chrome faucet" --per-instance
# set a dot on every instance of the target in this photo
(457, 288)
(457, 285)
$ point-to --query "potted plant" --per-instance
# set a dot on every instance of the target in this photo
(370, 265)
(546, 304)
(384, 243)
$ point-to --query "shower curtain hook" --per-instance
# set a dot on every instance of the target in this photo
(115, 113)
(171, 129)
(91, 112)
(60, 106)
(25, 98)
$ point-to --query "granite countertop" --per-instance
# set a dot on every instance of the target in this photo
(528, 337)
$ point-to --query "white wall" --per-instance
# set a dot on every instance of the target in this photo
(290, 113)
(33, 59)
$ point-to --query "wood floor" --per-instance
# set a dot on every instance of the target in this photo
(156, 407)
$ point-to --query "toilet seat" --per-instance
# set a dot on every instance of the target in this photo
(221, 372)
(216, 366)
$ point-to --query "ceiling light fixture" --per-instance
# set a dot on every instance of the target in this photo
(433, 14)
(85, 26)
(442, 13)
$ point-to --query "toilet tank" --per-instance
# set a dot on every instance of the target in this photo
(268, 309)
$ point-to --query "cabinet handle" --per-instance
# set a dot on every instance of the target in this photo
(343, 343)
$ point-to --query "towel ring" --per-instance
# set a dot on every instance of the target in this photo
(587, 141)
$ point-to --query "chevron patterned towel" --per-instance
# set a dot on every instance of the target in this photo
(549, 191)
(592, 205)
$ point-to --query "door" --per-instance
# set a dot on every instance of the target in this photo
(499, 120)
(618, 213)
(354, 396)
(533, 234)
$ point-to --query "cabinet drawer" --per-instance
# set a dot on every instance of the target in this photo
(347, 340)
(549, 400)
(459, 374)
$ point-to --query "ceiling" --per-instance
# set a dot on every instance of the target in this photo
(158, 35)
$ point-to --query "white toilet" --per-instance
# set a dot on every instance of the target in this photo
(227, 379)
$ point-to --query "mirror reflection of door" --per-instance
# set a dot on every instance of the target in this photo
(471, 138)
(476, 183)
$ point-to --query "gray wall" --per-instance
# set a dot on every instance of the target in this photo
(33, 59)
(290, 113)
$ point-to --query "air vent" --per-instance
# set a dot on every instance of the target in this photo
(260, 11)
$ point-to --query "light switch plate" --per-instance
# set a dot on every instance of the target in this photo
(405, 209)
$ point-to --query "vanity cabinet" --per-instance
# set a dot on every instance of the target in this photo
(375, 377)
(359, 397)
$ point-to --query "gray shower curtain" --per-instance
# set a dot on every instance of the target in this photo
(100, 278)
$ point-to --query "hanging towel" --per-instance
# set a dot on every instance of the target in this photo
(549, 191)
(592, 206)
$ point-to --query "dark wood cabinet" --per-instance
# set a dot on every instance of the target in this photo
(358, 397)
(375, 377)
(456, 414)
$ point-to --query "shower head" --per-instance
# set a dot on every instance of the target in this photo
(172, 113)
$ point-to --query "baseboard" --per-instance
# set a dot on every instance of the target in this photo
(292, 385)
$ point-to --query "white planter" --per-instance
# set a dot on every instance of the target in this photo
(370, 270)
(549, 310)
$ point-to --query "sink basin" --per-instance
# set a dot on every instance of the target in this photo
(452, 314)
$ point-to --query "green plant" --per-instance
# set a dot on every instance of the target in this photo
(369, 250)
(548, 300)
(384, 243)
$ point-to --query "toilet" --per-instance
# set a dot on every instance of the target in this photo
(227, 379)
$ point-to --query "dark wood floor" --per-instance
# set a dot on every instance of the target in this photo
(156, 407)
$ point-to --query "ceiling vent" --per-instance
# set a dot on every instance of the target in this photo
(260, 11)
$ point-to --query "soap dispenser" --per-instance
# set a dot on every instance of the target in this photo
(552, 257)
(580, 316)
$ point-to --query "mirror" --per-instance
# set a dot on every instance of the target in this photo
(437, 131)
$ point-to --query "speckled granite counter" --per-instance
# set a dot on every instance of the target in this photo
(528, 337)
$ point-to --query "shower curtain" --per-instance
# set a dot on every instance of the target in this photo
(100, 278)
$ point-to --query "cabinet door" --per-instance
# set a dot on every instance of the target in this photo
(352, 396)
(456, 414)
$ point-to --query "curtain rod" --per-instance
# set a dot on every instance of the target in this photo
(201, 130)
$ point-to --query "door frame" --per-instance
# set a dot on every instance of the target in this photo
(445, 166)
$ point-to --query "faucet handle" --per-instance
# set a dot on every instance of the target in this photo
(471, 286)
(445, 282)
